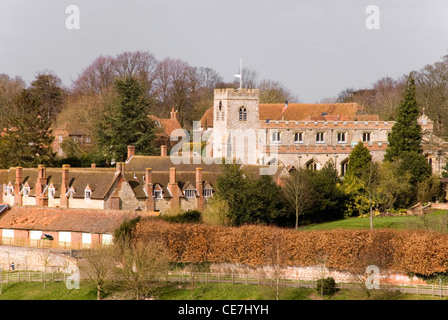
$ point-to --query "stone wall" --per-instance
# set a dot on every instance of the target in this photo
(33, 259)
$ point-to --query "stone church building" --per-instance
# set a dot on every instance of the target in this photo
(300, 135)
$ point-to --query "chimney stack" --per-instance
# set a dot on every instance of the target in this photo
(131, 152)
(173, 114)
(174, 189)
(121, 167)
(64, 185)
(199, 189)
(163, 151)
(149, 189)
(17, 187)
(41, 179)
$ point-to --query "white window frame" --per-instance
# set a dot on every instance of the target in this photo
(298, 135)
(367, 135)
(86, 238)
(342, 135)
(10, 190)
(65, 236)
(190, 193)
(158, 194)
(87, 194)
(26, 191)
(207, 192)
(107, 239)
(276, 137)
(51, 192)
(320, 137)
(7, 233)
(35, 234)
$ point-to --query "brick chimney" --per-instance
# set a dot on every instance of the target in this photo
(121, 166)
(163, 151)
(131, 152)
(41, 179)
(199, 189)
(1, 192)
(174, 189)
(64, 185)
(173, 114)
(149, 189)
(17, 187)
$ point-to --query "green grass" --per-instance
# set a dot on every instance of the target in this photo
(175, 291)
(398, 222)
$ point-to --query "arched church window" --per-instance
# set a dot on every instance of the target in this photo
(243, 114)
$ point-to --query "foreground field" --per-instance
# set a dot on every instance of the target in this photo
(58, 291)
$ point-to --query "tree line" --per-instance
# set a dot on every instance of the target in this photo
(109, 101)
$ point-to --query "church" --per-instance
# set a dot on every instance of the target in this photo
(300, 135)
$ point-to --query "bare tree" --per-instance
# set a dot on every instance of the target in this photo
(46, 258)
(142, 266)
(98, 76)
(299, 192)
(275, 92)
(99, 266)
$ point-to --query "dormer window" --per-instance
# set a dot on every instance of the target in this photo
(26, 190)
(71, 192)
(87, 193)
(190, 193)
(207, 192)
(9, 190)
(243, 114)
(158, 193)
(51, 191)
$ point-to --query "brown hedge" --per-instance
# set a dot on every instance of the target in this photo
(404, 251)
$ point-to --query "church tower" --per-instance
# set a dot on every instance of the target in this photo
(236, 123)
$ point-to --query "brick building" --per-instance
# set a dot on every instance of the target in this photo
(301, 135)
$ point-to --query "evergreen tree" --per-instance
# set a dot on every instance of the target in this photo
(250, 200)
(406, 133)
(125, 122)
(359, 161)
(28, 137)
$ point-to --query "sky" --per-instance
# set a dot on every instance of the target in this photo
(316, 48)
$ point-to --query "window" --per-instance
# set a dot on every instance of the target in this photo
(51, 192)
(342, 137)
(312, 165)
(366, 137)
(320, 137)
(9, 190)
(87, 238)
(158, 194)
(344, 167)
(87, 193)
(190, 193)
(243, 114)
(26, 190)
(8, 233)
(65, 236)
(220, 106)
(207, 192)
(88, 139)
(71, 192)
(106, 239)
(35, 235)
(298, 137)
(276, 136)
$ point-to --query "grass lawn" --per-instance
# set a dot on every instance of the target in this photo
(175, 291)
(398, 222)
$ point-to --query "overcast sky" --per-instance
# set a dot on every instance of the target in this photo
(316, 48)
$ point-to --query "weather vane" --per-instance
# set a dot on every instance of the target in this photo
(241, 73)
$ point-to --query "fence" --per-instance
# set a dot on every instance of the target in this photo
(48, 244)
(207, 278)
(193, 277)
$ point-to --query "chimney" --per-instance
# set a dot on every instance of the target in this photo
(149, 189)
(41, 179)
(17, 187)
(64, 185)
(131, 152)
(163, 151)
(174, 188)
(199, 189)
(173, 114)
(121, 167)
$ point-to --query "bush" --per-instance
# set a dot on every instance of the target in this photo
(326, 286)
(189, 216)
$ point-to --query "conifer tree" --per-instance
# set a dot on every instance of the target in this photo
(27, 138)
(125, 122)
(406, 133)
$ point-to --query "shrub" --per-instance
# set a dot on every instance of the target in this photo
(189, 216)
(326, 286)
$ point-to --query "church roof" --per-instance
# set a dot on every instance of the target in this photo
(302, 111)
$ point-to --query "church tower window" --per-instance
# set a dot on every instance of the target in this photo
(243, 114)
